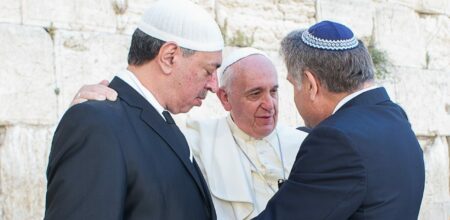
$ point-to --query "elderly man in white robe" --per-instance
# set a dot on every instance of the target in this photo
(245, 155)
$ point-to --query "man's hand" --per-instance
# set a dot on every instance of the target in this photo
(99, 92)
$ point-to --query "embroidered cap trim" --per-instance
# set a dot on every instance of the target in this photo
(319, 43)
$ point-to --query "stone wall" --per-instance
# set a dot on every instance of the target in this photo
(50, 48)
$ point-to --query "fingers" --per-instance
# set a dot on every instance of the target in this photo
(95, 92)
(104, 82)
(77, 101)
(109, 93)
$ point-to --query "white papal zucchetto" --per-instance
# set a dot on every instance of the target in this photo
(237, 55)
(184, 23)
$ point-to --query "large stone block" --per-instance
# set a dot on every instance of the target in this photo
(86, 58)
(357, 14)
(434, 6)
(10, 11)
(262, 25)
(69, 14)
(23, 163)
(28, 79)
(425, 96)
(128, 20)
(437, 35)
(436, 195)
(426, 6)
(397, 31)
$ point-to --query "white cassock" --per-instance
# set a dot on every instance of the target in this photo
(239, 189)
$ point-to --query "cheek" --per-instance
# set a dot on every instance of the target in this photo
(299, 101)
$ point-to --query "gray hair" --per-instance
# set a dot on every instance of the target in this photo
(226, 77)
(144, 48)
(339, 71)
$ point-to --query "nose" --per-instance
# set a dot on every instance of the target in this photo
(212, 84)
(268, 102)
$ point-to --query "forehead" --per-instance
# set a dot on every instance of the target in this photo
(254, 71)
(207, 59)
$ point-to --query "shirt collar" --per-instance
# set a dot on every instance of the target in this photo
(238, 133)
(351, 96)
(133, 81)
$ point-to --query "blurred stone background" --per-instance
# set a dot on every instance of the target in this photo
(48, 49)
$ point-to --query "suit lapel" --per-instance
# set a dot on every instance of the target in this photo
(152, 118)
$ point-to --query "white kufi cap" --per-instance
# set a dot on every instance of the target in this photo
(184, 23)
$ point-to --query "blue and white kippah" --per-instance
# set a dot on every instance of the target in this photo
(328, 35)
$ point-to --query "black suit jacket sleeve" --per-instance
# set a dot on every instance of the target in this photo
(86, 171)
(327, 180)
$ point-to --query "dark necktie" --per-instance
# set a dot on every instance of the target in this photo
(168, 117)
(185, 148)
(171, 123)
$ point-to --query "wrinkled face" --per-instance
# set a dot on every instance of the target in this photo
(194, 76)
(253, 96)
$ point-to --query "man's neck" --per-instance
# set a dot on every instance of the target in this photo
(149, 78)
(342, 98)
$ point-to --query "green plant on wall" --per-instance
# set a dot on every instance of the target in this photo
(238, 38)
(380, 61)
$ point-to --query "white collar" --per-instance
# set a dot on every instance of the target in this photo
(351, 96)
(133, 81)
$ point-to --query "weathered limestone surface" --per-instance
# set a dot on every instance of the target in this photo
(10, 11)
(425, 96)
(128, 20)
(436, 196)
(435, 6)
(426, 6)
(26, 89)
(23, 161)
(263, 24)
(346, 11)
(86, 58)
(68, 14)
(437, 32)
(397, 31)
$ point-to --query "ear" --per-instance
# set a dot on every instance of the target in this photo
(166, 56)
(223, 97)
(311, 84)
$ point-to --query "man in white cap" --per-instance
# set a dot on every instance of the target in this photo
(245, 154)
(127, 159)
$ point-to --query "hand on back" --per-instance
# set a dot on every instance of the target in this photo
(99, 92)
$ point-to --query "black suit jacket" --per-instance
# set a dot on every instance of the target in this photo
(121, 160)
(364, 162)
